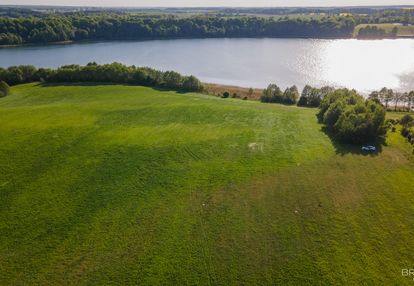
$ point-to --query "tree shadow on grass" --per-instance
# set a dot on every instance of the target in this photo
(356, 149)
(157, 88)
(165, 89)
(55, 84)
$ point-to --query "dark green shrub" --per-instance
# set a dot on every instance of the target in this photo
(390, 121)
(4, 89)
(312, 97)
(351, 118)
(407, 120)
(405, 131)
(191, 83)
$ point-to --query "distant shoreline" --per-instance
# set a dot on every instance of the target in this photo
(191, 38)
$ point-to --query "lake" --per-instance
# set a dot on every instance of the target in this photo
(363, 65)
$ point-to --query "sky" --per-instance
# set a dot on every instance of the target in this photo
(206, 3)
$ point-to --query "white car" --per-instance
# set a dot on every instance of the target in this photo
(369, 148)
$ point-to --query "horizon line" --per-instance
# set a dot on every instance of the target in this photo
(205, 7)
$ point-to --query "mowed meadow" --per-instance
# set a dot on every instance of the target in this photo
(113, 184)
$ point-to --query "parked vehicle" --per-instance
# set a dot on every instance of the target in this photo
(369, 148)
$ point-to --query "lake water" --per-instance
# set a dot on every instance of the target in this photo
(363, 65)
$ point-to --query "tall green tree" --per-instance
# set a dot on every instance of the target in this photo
(398, 97)
(386, 96)
(291, 95)
(272, 94)
(410, 100)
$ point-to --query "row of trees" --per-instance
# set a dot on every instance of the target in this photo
(111, 26)
(19, 26)
(351, 118)
(312, 97)
(273, 94)
(374, 32)
(403, 16)
(400, 100)
(107, 73)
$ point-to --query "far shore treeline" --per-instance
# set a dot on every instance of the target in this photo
(107, 73)
(108, 26)
(104, 27)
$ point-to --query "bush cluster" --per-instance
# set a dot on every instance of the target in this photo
(273, 94)
(351, 118)
(407, 122)
(107, 73)
(402, 101)
(312, 97)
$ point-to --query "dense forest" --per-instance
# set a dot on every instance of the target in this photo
(23, 26)
(107, 73)
(133, 27)
(56, 24)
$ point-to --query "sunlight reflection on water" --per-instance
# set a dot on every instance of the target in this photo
(363, 65)
(367, 65)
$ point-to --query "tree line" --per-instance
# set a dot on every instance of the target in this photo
(347, 115)
(107, 73)
(403, 101)
(273, 94)
(374, 32)
(312, 97)
(111, 26)
(21, 26)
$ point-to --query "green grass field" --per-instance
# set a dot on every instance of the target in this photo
(402, 31)
(121, 185)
